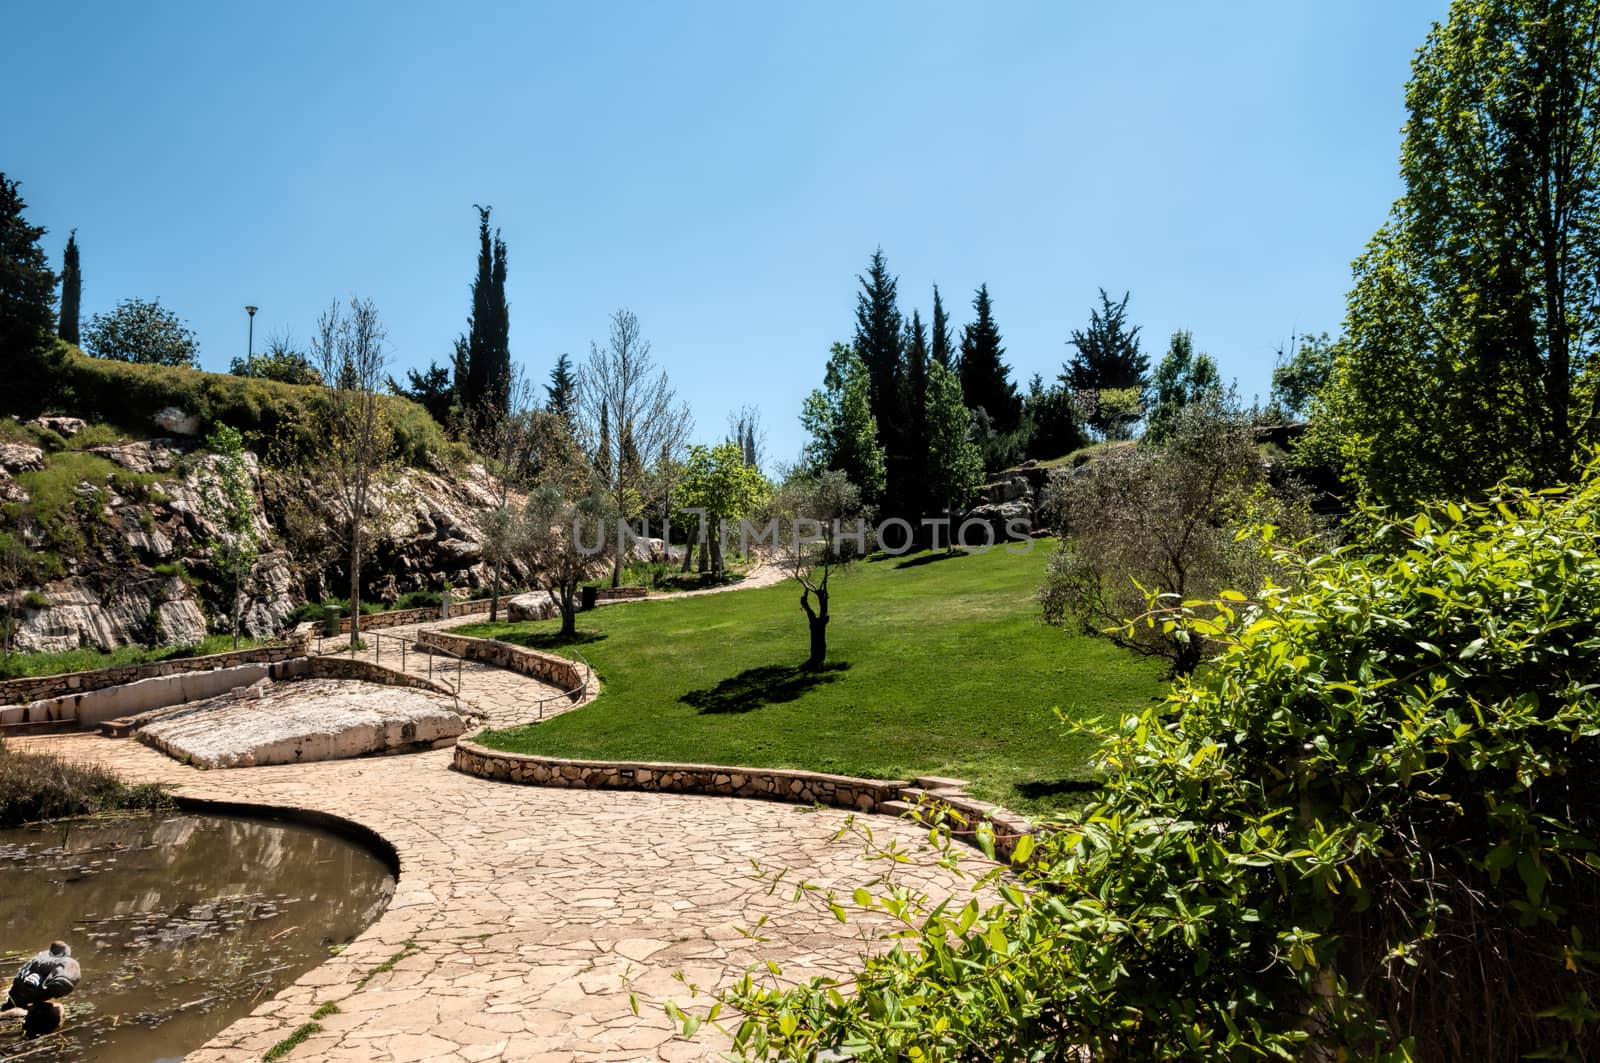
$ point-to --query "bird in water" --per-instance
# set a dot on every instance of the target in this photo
(51, 974)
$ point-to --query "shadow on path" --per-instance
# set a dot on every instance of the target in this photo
(754, 688)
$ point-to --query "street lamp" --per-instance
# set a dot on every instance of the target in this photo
(250, 349)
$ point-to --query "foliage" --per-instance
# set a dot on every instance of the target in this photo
(985, 377)
(954, 463)
(908, 689)
(27, 301)
(41, 786)
(1368, 832)
(1182, 377)
(940, 349)
(1162, 519)
(71, 290)
(562, 391)
(87, 659)
(1107, 359)
(276, 419)
(844, 434)
(286, 366)
(483, 379)
(144, 332)
(1474, 319)
(1300, 374)
(1050, 420)
(879, 335)
(914, 343)
(1114, 413)
(561, 539)
(718, 482)
(229, 500)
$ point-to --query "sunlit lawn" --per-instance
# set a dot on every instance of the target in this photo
(936, 665)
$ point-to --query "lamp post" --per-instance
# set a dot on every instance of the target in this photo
(250, 349)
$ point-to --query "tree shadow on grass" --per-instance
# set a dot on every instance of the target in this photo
(755, 688)
(929, 558)
(551, 640)
(1042, 788)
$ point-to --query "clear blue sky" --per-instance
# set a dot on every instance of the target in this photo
(723, 170)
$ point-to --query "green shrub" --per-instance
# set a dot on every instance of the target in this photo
(86, 658)
(36, 786)
(275, 418)
(1367, 831)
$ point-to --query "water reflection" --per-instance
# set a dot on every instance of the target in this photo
(183, 923)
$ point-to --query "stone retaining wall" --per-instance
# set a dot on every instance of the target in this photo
(402, 617)
(44, 687)
(773, 784)
(334, 667)
(613, 594)
(560, 672)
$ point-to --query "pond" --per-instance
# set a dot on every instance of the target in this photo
(183, 923)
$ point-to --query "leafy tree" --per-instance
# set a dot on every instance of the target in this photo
(144, 332)
(356, 458)
(844, 435)
(281, 361)
(27, 297)
(1300, 373)
(985, 378)
(562, 541)
(816, 518)
(941, 349)
(955, 464)
(718, 481)
(1181, 377)
(71, 290)
(1472, 326)
(229, 497)
(1162, 519)
(1363, 834)
(1107, 359)
(484, 360)
(431, 389)
(562, 391)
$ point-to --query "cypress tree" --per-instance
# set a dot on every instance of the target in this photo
(916, 403)
(71, 290)
(942, 352)
(985, 378)
(488, 353)
(1108, 351)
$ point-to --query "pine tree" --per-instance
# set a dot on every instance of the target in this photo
(27, 297)
(916, 347)
(985, 378)
(878, 345)
(71, 290)
(563, 388)
(1110, 367)
(942, 351)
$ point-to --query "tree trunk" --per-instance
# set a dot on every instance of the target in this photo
(688, 547)
(355, 591)
(569, 617)
(494, 595)
(616, 568)
(705, 557)
(817, 621)
(717, 566)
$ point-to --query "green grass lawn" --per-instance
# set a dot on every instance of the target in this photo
(86, 659)
(936, 665)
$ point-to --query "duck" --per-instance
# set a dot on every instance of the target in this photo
(49, 975)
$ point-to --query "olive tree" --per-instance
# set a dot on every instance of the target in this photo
(820, 527)
(562, 539)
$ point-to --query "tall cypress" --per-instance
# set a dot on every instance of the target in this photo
(943, 351)
(985, 378)
(916, 404)
(71, 290)
(878, 343)
(488, 355)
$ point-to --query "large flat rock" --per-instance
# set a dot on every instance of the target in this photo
(305, 720)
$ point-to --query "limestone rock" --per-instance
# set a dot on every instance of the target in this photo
(536, 605)
(178, 422)
(10, 490)
(20, 457)
(64, 426)
(1009, 520)
(142, 456)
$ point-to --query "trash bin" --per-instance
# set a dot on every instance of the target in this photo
(591, 595)
(330, 619)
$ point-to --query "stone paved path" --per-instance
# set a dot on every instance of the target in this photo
(525, 916)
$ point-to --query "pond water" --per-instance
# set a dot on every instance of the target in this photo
(183, 923)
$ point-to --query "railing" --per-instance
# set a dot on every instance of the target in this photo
(577, 691)
(401, 646)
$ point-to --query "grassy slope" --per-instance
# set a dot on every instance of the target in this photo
(948, 671)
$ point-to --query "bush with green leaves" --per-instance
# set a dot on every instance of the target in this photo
(1367, 831)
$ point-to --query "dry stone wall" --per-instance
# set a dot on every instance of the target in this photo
(561, 672)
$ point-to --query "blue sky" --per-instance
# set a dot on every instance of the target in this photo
(723, 170)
